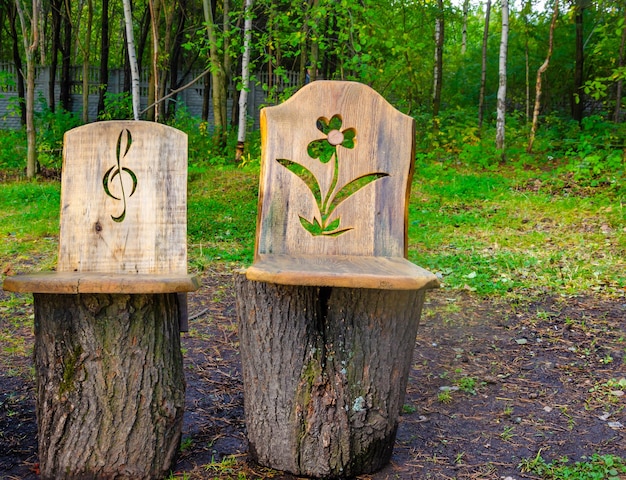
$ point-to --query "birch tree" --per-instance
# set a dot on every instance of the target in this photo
(132, 58)
(438, 69)
(464, 31)
(540, 72)
(483, 71)
(501, 107)
(29, 21)
(245, 78)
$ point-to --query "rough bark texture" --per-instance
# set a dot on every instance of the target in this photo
(325, 371)
(110, 385)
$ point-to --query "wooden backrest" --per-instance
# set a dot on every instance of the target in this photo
(124, 199)
(336, 171)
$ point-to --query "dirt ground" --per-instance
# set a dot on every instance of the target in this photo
(492, 383)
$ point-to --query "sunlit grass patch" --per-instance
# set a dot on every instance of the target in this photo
(496, 238)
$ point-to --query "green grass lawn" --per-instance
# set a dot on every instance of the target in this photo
(494, 232)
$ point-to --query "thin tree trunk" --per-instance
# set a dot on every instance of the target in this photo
(464, 33)
(153, 113)
(540, 71)
(86, 54)
(245, 76)
(618, 92)
(501, 110)
(438, 70)
(29, 21)
(483, 71)
(55, 18)
(132, 58)
(66, 59)
(578, 106)
(104, 55)
(217, 77)
(17, 60)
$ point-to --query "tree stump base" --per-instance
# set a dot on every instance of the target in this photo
(110, 385)
(325, 372)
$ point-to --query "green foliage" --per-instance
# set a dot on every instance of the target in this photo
(117, 106)
(50, 128)
(12, 149)
(598, 467)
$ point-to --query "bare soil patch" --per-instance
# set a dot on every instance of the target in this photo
(493, 382)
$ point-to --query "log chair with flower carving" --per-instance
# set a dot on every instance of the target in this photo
(329, 309)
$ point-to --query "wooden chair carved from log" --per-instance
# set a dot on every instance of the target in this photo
(329, 309)
(109, 375)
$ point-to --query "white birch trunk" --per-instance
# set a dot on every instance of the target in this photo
(501, 108)
(132, 57)
(245, 80)
(464, 33)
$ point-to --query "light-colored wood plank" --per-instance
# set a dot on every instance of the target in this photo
(103, 164)
(86, 282)
(383, 143)
(386, 273)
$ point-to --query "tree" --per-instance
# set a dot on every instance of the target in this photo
(245, 75)
(29, 20)
(438, 69)
(578, 105)
(104, 55)
(483, 71)
(464, 34)
(86, 49)
(218, 77)
(540, 71)
(501, 107)
(132, 57)
(621, 64)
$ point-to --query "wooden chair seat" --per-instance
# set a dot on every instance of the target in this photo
(89, 282)
(351, 271)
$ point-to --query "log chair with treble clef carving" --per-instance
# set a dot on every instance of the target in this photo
(329, 309)
(110, 384)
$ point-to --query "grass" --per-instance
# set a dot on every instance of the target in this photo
(493, 233)
(608, 467)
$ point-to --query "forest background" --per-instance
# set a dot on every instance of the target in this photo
(467, 71)
(517, 203)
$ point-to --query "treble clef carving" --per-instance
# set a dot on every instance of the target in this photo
(124, 142)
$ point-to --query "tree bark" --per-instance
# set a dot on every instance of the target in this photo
(104, 56)
(483, 71)
(245, 80)
(620, 82)
(501, 107)
(578, 104)
(132, 58)
(540, 71)
(325, 371)
(110, 385)
(29, 20)
(438, 70)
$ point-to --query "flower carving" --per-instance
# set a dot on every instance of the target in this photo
(326, 151)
